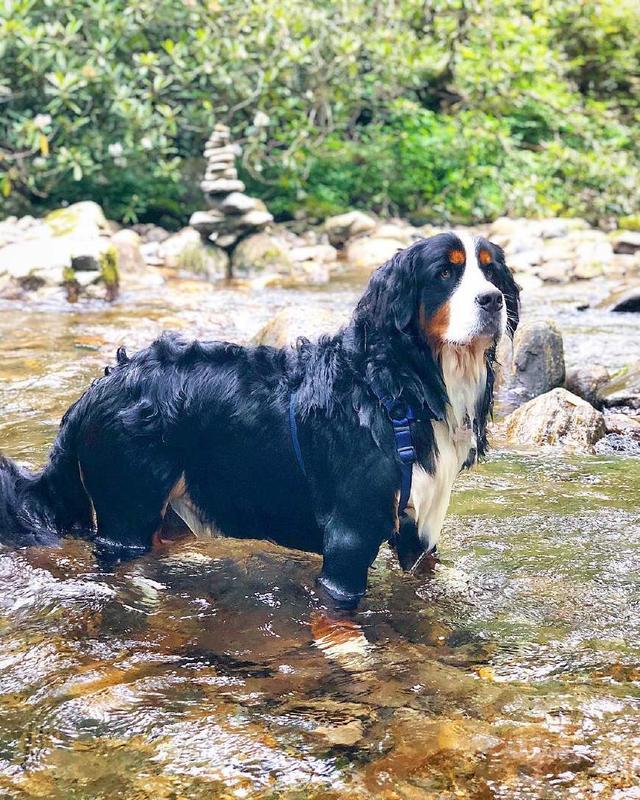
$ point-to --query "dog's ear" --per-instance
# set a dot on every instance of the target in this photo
(390, 299)
(505, 282)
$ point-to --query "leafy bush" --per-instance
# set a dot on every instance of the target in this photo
(445, 111)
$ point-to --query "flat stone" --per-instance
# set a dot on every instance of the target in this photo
(238, 203)
(627, 242)
(222, 186)
(205, 222)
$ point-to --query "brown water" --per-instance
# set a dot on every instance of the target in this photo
(210, 671)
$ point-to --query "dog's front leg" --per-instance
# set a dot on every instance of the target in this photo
(413, 554)
(349, 550)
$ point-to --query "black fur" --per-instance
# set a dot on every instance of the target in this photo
(217, 413)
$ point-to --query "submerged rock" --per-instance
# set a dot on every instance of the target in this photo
(556, 418)
(290, 323)
(538, 359)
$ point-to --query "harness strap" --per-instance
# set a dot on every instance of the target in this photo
(293, 429)
(401, 415)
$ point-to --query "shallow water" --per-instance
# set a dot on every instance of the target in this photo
(210, 670)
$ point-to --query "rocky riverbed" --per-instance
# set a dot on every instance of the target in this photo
(211, 671)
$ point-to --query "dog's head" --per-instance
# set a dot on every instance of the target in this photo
(449, 289)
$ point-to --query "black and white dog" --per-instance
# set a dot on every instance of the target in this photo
(205, 426)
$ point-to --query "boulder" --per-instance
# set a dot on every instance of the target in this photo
(259, 253)
(321, 253)
(586, 382)
(79, 219)
(128, 244)
(626, 242)
(295, 321)
(404, 233)
(343, 227)
(368, 253)
(185, 250)
(556, 418)
(44, 260)
(538, 359)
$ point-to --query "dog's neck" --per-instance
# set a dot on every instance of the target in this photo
(464, 370)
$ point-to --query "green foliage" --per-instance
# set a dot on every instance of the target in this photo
(446, 110)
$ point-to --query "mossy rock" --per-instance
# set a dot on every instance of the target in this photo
(79, 218)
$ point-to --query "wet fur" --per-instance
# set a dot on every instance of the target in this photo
(214, 416)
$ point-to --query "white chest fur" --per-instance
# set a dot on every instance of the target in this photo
(465, 377)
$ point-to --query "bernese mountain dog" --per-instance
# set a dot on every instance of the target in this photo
(204, 429)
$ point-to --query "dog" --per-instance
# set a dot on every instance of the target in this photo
(210, 427)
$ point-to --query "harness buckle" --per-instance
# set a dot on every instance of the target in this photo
(407, 454)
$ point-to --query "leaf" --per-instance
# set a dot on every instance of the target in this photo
(43, 142)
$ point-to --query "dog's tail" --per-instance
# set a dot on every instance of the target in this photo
(38, 507)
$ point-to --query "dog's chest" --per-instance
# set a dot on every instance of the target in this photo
(456, 444)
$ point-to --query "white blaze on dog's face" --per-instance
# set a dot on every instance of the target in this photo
(476, 307)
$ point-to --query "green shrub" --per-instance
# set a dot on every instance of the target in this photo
(444, 110)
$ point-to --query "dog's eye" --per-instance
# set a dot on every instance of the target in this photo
(444, 274)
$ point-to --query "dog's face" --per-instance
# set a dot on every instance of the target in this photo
(465, 291)
(449, 289)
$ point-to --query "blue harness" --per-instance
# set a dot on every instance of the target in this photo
(401, 415)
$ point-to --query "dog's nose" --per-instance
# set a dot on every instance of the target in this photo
(490, 301)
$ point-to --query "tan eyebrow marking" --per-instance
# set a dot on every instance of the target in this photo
(457, 257)
(484, 256)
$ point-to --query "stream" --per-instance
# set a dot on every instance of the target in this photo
(210, 670)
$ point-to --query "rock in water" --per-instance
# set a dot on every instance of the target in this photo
(623, 390)
(290, 323)
(259, 253)
(538, 359)
(345, 226)
(627, 299)
(556, 418)
(586, 382)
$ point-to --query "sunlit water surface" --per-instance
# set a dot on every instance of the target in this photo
(211, 670)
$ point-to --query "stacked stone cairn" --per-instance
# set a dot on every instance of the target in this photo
(232, 215)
